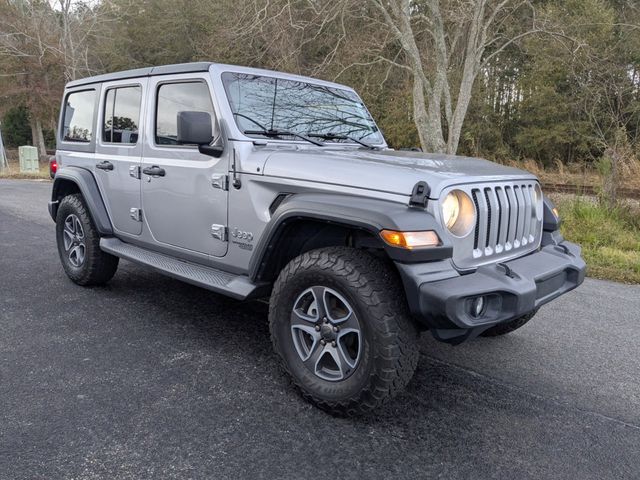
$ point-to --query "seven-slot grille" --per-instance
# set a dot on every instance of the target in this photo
(508, 218)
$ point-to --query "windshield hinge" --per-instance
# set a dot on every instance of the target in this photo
(420, 195)
(236, 181)
(220, 181)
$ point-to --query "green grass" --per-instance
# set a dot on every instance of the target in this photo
(610, 238)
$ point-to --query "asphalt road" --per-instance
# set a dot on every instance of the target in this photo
(152, 378)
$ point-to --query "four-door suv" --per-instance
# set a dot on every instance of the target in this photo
(256, 184)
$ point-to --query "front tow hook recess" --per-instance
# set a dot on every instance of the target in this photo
(507, 270)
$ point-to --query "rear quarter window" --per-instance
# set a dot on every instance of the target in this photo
(79, 110)
(122, 115)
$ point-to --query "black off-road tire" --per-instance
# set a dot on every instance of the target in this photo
(389, 351)
(97, 267)
(508, 327)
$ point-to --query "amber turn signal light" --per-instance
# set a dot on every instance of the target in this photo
(411, 240)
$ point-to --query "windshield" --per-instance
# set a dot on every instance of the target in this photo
(268, 103)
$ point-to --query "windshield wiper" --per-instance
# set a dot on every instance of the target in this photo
(278, 133)
(335, 136)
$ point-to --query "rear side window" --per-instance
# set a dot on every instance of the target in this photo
(78, 116)
(179, 97)
(122, 115)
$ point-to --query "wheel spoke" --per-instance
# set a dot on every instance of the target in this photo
(340, 360)
(80, 253)
(78, 228)
(350, 322)
(313, 359)
(300, 317)
(70, 224)
(73, 257)
(340, 311)
(67, 238)
(342, 347)
(304, 309)
(319, 294)
(76, 255)
(305, 351)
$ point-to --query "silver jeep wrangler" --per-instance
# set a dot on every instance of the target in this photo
(257, 184)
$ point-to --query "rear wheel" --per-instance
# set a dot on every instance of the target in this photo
(340, 325)
(79, 244)
(508, 327)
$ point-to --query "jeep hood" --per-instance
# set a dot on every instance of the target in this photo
(387, 170)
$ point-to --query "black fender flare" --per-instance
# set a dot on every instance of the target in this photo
(368, 214)
(550, 222)
(86, 183)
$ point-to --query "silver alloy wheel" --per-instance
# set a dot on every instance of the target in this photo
(326, 333)
(73, 240)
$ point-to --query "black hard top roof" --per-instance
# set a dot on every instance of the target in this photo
(143, 72)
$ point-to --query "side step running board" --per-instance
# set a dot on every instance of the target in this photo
(236, 286)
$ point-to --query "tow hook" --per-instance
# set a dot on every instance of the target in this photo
(507, 270)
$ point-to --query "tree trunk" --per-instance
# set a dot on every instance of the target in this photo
(37, 138)
(429, 131)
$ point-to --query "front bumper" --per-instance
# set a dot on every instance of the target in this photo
(441, 298)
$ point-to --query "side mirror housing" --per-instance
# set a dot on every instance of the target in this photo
(194, 128)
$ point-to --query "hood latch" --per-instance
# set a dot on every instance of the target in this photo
(420, 195)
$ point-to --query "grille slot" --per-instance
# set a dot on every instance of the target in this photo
(474, 195)
(507, 222)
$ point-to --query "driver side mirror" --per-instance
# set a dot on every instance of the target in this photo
(194, 128)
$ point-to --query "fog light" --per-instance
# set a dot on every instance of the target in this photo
(477, 306)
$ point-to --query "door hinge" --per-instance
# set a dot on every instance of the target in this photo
(136, 214)
(220, 181)
(219, 232)
(134, 171)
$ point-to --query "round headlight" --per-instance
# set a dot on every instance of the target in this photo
(450, 209)
(458, 213)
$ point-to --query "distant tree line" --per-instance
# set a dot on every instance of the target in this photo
(554, 81)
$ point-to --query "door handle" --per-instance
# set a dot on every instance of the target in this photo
(106, 165)
(154, 171)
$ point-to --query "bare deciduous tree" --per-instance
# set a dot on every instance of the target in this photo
(43, 45)
(444, 46)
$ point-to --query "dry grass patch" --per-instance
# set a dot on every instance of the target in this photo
(13, 171)
(610, 238)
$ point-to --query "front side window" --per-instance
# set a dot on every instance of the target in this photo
(122, 115)
(179, 97)
(78, 117)
(269, 103)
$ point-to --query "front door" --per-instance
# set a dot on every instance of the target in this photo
(181, 206)
(119, 152)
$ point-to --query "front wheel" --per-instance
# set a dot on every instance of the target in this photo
(341, 327)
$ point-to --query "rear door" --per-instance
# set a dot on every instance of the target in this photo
(185, 209)
(119, 152)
